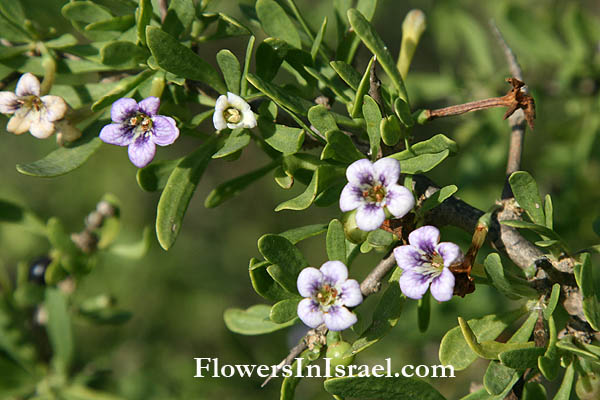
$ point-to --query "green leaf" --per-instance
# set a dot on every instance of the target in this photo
(154, 176)
(264, 284)
(318, 40)
(284, 311)
(233, 187)
(247, 60)
(564, 391)
(373, 41)
(539, 229)
(123, 54)
(437, 198)
(269, 58)
(373, 117)
(567, 344)
(347, 73)
(340, 147)
(402, 110)
(336, 241)
(385, 317)
(323, 178)
(489, 349)
(66, 159)
(498, 378)
(380, 238)
(534, 391)
(285, 139)
(495, 271)
(423, 163)
(299, 234)
(585, 281)
(549, 363)
(321, 119)
(237, 140)
(119, 24)
(527, 195)
(454, 349)
(424, 312)
(361, 91)
(436, 144)
(390, 129)
(289, 384)
(66, 40)
(178, 192)
(12, 213)
(278, 250)
(280, 96)
(253, 321)
(180, 60)
(552, 301)
(13, 10)
(521, 358)
(135, 250)
(59, 329)
(276, 23)
(143, 16)
(230, 67)
(85, 11)
(390, 388)
(548, 212)
(122, 89)
(179, 17)
(227, 27)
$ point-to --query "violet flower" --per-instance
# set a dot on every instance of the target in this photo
(138, 126)
(328, 292)
(425, 263)
(373, 187)
(30, 111)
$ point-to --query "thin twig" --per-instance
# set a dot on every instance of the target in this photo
(517, 120)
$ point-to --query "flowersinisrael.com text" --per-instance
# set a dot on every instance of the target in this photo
(211, 367)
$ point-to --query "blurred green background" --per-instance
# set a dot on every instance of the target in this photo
(178, 297)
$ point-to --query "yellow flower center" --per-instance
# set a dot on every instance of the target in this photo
(232, 115)
(327, 295)
(375, 194)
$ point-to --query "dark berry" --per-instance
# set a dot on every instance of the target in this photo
(37, 270)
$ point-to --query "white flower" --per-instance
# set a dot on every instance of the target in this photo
(233, 112)
(30, 111)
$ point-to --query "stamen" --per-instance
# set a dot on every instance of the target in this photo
(232, 115)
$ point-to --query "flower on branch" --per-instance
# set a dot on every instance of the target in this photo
(425, 262)
(372, 188)
(138, 126)
(233, 112)
(30, 112)
(327, 292)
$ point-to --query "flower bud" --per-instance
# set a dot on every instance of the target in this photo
(337, 351)
(413, 25)
(352, 231)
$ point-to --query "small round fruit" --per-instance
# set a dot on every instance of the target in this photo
(352, 231)
(37, 270)
(336, 353)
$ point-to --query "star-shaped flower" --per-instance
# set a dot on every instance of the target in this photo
(425, 262)
(328, 292)
(139, 126)
(373, 187)
(30, 112)
(233, 112)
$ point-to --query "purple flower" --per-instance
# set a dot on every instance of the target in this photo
(30, 111)
(425, 262)
(371, 188)
(328, 292)
(138, 126)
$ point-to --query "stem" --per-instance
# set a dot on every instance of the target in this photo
(467, 107)
(49, 65)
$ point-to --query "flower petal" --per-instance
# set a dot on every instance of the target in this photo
(56, 108)
(149, 106)
(19, 123)
(218, 118)
(339, 318)
(334, 272)
(407, 257)
(413, 284)
(41, 128)
(309, 281)
(442, 287)
(248, 119)
(8, 102)
(237, 102)
(123, 109)
(369, 217)
(360, 172)
(399, 200)
(351, 295)
(351, 198)
(450, 252)
(310, 313)
(387, 170)
(28, 85)
(116, 134)
(165, 130)
(141, 151)
(425, 238)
